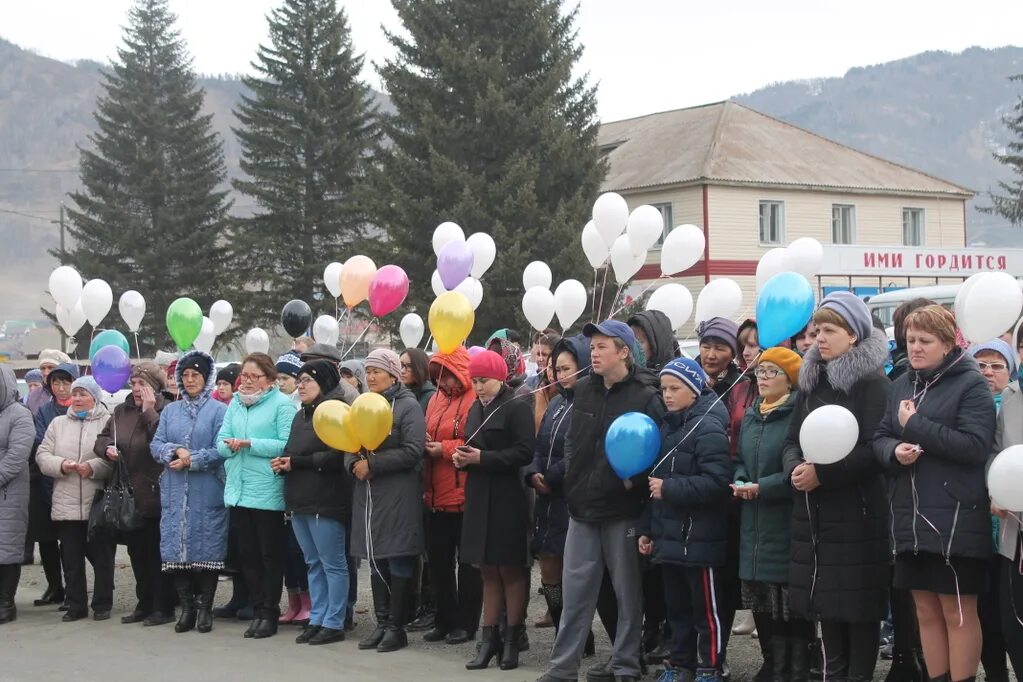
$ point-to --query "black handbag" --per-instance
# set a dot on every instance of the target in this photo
(119, 511)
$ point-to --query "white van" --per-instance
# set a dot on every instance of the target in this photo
(884, 305)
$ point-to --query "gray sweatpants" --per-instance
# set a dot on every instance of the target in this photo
(588, 548)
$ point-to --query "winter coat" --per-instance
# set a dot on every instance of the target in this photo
(318, 484)
(194, 520)
(955, 425)
(394, 493)
(133, 430)
(739, 391)
(689, 524)
(496, 524)
(660, 336)
(423, 394)
(40, 525)
(446, 416)
(17, 432)
(592, 488)
(764, 547)
(251, 483)
(36, 398)
(840, 562)
(69, 437)
(52, 409)
(1008, 433)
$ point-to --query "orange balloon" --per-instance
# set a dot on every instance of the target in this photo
(356, 275)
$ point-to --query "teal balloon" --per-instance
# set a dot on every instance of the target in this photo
(783, 309)
(632, 444)
(109, 337)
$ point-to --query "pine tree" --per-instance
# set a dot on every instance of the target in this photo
(493, 132)
(151, 212)
(308, 133)
(1009, 204)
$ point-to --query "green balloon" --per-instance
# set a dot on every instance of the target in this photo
(184, 322)
(109, 337)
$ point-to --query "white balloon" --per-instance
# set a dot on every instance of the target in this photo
(62, 314)
(537, 274)
(594, 247)
(991, 306)
(66, 286)
(828, 434)
(96, 300)
(675, 301)
(75, 319)
(645, 227)
(207, 335)
(720, 298)
(332, 279)
(538, 306)
(484, 251)
(411, 330)
(437, 284)
(221, 314)
(624, 260)
(257, 341)
(445, 233)
(771, 263)
(958, 306)
(569, 302)
(1005, 479)
(471, 288)
(132, 307)
(682, 248)
(610, 216)
(326, 330)
(805, 256)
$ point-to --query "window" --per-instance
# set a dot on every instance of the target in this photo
(665, 210)
(843, 224)
(772, 222)
(913, 226)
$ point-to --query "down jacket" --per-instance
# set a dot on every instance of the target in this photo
(133, 429)
(660, 337)
(446, 416)
(317, 484)
(69, 437)
(17, 432)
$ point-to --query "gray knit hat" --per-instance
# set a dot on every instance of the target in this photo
(88, 384)
(853, 310)
(386, 360)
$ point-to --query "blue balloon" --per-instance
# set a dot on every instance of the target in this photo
(784, 307)
(109, 337)
(632, 444)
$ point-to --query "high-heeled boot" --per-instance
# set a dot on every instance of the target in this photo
(489, 647)
(207, 592)
(395, 637)
(510, 653)
(186, 595)
(381, 609)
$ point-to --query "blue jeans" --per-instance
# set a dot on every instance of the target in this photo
(323, 544)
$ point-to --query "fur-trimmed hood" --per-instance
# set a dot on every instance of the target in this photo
(863, 359)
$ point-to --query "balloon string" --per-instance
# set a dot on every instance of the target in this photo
(614, 301)
(92, 337)
(137, 351)
(356, 342)
(603, 286)
(428, 341)
(593, 301)
(638, 296)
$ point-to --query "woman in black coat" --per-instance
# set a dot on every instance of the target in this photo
(934, 442)
(838, 573)
(496, 521)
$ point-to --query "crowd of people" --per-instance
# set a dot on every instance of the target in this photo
(487, 470)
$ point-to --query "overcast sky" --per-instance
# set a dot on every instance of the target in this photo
(647, 55)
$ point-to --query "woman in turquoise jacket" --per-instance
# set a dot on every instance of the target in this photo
(255, 431)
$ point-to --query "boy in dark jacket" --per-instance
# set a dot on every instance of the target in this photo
(684, 528)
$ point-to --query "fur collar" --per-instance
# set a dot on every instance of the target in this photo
(843, 372)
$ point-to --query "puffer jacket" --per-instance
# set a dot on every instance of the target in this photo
(660, 336)
(69, 437)
(318, 484)
(133, 429)
(689, 524)
(946, 487)
(251, 483)
(17, 433)
(446, 415)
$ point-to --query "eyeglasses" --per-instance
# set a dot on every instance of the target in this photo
(766, 372)
(993, 366)
(406, 365)
(306, 380)
(246, 376)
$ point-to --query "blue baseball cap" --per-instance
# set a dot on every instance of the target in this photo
(616, 329)
(688, 372)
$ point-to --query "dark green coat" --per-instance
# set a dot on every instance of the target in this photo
(764, 548)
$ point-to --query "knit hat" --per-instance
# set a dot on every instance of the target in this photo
(88, 384)
(511, 354)
(229, 373)
(994, 346)
(33, 376)
(197, 361)
(853, 310)
(324, 372)
(164, 358)
(788, 361)
(151, 373)
(385, 359)
(722, 329)
(687, 371)
(289, 364)
(51, 356)
(488, 365)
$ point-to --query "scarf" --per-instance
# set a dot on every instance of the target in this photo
(250, 399)
(767, 408)
(63, 403)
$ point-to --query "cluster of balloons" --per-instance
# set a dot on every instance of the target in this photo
(366, 424)
(461, 261)
(540, 304)
(78, 302)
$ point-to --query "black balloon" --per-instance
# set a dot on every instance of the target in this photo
(296, 318)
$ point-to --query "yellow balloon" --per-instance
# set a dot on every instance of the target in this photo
(333, 425)
(371, 419)
(356, 275)
(451, 320)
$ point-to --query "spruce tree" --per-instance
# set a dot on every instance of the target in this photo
(493, 132)
(152, 210)
(1009, 204)
(308, 133)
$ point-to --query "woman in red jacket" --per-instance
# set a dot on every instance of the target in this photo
(458, 607)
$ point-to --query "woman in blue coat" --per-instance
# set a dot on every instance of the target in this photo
(193, 522)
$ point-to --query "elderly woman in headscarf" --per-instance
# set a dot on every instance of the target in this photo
(16, 435)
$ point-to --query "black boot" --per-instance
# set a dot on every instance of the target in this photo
(10, 574)
(183, 586)
(395, 637)
(207, 591)
(905, 668)
(944, 677)
(267, 625)
(382, 610)
(778, 648)
(487, 648)
(510, 655)
(239, 599)
(799, 659)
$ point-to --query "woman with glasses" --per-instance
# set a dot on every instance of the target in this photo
(415, 374)
(256, 429)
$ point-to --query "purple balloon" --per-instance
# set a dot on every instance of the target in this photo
(454, 264)
(475, 350)
(111, 368)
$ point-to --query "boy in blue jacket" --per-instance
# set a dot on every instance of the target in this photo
(684, 528)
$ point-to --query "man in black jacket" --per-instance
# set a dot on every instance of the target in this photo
(604, 509)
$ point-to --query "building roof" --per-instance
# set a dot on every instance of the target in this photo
(727, 143)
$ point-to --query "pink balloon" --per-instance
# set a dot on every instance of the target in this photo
(475, 350)
(387, 290)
